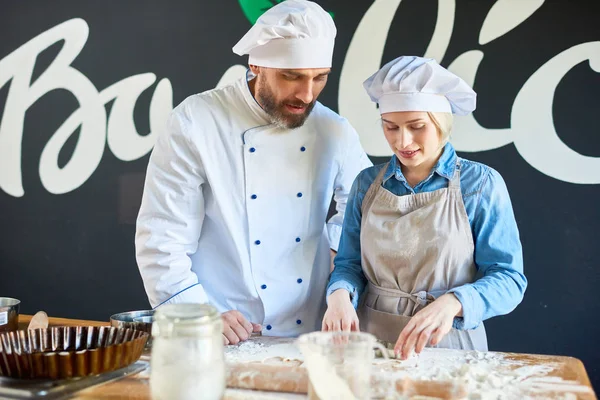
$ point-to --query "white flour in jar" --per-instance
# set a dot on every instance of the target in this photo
(186, 371)
(173, 382)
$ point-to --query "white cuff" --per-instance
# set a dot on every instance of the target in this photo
(334, 233)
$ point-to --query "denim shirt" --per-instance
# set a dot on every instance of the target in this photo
(499, 283)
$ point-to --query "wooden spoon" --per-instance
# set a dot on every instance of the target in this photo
(38, 321)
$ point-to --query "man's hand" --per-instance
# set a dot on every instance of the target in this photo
(432, 322)
(236, 328)
(340, 314)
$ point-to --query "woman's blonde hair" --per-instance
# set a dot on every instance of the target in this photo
(443, 122)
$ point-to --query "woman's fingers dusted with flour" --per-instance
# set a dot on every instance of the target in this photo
(340, 314)
(429, 325)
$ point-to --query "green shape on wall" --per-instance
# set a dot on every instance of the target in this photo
(253, 9)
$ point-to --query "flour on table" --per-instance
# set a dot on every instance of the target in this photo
(484, 375)
(255, 350)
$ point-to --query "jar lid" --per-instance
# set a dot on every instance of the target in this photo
(186, 320)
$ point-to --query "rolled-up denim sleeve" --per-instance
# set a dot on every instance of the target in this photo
(500, 283)
(348, 273)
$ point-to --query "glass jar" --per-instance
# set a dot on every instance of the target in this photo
(339, 364)
(187, 360)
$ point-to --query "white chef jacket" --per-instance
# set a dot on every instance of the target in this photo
(234, 209)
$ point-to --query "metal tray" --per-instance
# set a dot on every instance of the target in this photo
(11, 388)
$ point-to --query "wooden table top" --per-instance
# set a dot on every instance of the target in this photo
(137, 387)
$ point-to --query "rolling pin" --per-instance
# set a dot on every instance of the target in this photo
(273, 378)
(294, 379)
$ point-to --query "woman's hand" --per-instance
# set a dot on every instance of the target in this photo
(340, 314)
(430, 324)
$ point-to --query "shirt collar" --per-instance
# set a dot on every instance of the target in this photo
(445, 165)
(255, 108)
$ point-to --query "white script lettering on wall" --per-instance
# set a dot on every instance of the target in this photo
(531, 124)
(532, 127)
(97, 129)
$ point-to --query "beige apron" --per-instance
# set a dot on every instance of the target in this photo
(414, 249)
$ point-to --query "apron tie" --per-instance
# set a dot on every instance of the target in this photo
(421, 298)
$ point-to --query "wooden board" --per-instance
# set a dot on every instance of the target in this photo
(559, 375)
(569, 368)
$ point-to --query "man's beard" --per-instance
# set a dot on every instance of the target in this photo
(277, 110)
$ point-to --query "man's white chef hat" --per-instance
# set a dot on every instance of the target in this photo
(412, 83)
(293, 34)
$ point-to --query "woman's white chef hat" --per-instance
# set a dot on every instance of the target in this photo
(411, 83)
(292, 34)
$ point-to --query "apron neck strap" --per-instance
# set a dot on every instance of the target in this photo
(370, 195)
(455, 181)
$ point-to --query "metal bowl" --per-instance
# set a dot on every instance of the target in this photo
(136, 320)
